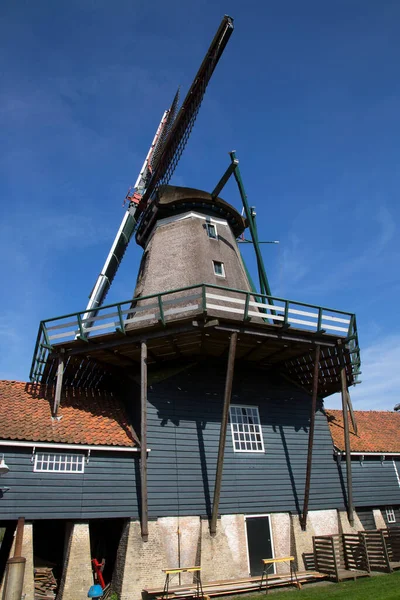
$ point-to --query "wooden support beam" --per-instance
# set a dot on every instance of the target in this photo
(122, 357)
(344, 390)
(311, 438)
(222, 435)
(19, 536)
(60, 374)
(143, 436)
(352, 415)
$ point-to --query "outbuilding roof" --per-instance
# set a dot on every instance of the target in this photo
(378, 431)
(85, 416)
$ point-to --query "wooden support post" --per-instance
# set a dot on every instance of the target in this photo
(19, 535)
(352, 415)
(143, 447)
(311, 437)
(343, 380)
(222, 435)
(60, 374)
(15, 569)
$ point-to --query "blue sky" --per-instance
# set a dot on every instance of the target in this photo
(306, 92)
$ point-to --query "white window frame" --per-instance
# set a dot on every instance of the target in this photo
(47, 462)
(256, 430)
(218, 262)
(390, 515)
(214, 227)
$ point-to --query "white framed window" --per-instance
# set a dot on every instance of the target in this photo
(59, 463)
(219, 268)
(391, 517)
(212, 231)
(246, 428)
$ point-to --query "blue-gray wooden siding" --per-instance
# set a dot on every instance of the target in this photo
(184, 414)
(374, 481)
(107, 488)
(184, 417)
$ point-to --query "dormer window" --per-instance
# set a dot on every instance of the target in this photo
(212, 231)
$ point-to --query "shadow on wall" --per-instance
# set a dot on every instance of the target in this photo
(185, 412)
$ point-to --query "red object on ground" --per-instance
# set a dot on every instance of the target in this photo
(98, 569)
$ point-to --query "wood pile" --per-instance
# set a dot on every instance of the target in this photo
(45, 583)
(229, 587)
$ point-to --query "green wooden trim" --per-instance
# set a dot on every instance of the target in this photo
(246, 307)
(43, 343)
(253, 230)
(161, 309)
(208, 285)
(204, 299)
(286, 324)
(82, 334)
(121, 327)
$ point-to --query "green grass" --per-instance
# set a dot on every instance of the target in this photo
(381, 587)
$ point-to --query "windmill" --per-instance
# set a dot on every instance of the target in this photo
(194, 301)
(162, 158)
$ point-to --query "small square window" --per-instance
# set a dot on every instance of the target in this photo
(391, 517)
(246, 429)
(212, 231)
(219, 269)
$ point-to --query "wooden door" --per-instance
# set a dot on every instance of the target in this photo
(259, 543)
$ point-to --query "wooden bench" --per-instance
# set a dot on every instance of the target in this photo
(170, 573)
(289, 560)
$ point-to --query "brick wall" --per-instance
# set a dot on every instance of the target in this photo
(77, 572)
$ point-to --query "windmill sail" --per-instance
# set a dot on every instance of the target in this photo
(183, 124)
(162, 158)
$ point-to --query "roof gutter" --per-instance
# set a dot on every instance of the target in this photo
(25, 444)
(383, 453)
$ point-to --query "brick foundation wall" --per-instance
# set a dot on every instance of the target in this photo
(77, 574)
(319, 522)
(224, 556)
(281, 535)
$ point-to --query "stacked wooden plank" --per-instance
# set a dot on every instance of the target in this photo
(45, 583)
(229, 587)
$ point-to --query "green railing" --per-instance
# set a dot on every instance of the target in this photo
(189, 301)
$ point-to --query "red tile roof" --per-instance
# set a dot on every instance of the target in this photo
(378, 431)
(87, 416)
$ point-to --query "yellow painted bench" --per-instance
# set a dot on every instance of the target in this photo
(169, 573)
(272, 561)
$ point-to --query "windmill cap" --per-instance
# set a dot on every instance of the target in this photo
(173, 200)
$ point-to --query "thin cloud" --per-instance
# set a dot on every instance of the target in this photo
(380, 387)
